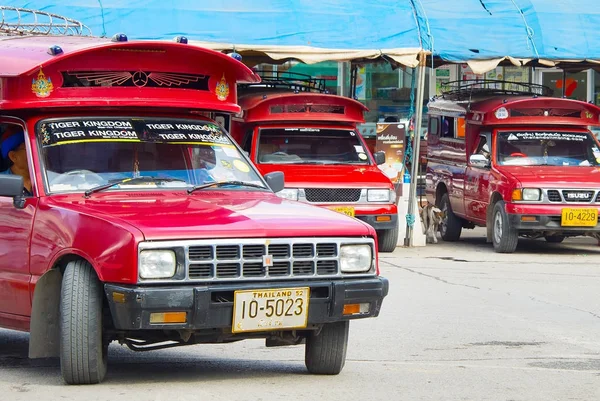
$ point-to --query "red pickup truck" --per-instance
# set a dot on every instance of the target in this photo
(128, 214)
(525, 165)
(311, 137)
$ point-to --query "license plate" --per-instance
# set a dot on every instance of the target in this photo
(270, 309)
(583, 217)
(347, 210)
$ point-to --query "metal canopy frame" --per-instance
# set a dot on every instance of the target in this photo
(35, 22)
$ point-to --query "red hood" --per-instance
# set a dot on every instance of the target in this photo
(554, 176)
(342, 176)
(213, 214)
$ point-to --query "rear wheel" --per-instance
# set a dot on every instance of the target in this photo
(387, 240)
(504, 237)
(83, 351)
(325, 352)
(451, 224)
(555, 239)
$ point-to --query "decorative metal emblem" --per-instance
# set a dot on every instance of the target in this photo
(42, 86)
(222, 89)
(268, 260)
(139, 79)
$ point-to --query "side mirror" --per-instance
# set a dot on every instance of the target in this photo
(11, 185)
(275, 180)
(478, 160)
(379, 158)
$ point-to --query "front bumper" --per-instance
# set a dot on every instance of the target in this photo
(211, 306)
(380, 225)
(547, 224)
(547, 218)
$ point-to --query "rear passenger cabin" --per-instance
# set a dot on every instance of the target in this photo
(462, 118)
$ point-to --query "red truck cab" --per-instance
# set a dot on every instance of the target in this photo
(312, 137)
(128, 214)
(526, 166)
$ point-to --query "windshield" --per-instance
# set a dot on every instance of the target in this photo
(79, 154)
(310, 146)
(541, 148)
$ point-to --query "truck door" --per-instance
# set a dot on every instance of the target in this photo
(15, 234)
(477, 179)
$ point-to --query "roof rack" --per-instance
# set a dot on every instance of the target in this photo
(288, 81)
(15, 21)
(472, 89)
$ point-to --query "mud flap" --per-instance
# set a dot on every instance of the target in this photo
(44, 341)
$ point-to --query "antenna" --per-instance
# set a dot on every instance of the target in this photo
(15, 21)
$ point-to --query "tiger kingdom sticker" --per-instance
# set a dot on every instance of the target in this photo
(240, 165)
(42, 86)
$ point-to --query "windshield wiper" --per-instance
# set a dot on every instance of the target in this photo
(224, 183)
(141, 179)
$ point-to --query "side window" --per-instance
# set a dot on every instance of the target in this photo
(247, 141)
(434, 126)
(13, 153)
(483, 148)
(447, 127)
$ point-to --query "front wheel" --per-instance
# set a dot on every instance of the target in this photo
(504, 237)
(325, 351)
(83, 350)
(387, 240)
(451, 224)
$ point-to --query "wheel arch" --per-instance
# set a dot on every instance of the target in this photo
(44, 332)
(494, 198)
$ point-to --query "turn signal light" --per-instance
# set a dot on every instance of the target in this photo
(383, 218)
(356, 309)
(517, 195)
(168, 317)
(118, 297)
(529, 218)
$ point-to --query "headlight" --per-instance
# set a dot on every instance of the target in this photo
(157, 264)
(378, 195)
(355, 258)
(288, 193)
(531, 194)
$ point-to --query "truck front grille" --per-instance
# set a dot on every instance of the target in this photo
(327, 195)
(251, 259)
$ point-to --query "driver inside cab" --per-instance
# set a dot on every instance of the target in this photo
(13, 151)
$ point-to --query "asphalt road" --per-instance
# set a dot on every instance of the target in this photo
(460, 323)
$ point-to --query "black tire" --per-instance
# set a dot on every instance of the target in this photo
(387, 240)
(325, 353)
(504, 237)
(555, 239)
(83, 351)
(451, 225)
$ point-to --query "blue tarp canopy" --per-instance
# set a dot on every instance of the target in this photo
(481, 32)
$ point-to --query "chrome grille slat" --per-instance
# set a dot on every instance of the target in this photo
(228, 270)
(326, 250)
(303, 268)
(326, 267)
(201, 252)
(554, 195)
(228, 252)
(303, 251)
(332, 194)
(279, 251)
